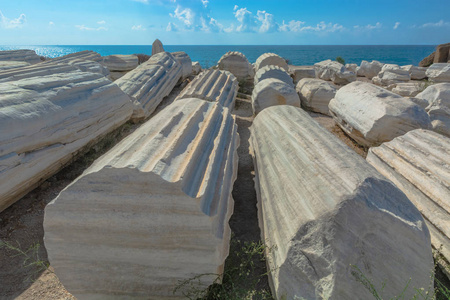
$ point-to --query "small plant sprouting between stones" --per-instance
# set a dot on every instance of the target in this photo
(31, 258)
(237, 282)
(340, 60)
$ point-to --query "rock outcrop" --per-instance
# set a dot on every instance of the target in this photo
(323, 209)
(120, 63)
(213, 85)
(391, 74)
(442, 53)
(270, 92)
(418, 163)
(237, 64)
(372, 115)
(417, 73)
(157, 47)
(438, 97)
(315, 94)
(369, 69)
(150, 82)
(185, 62)
(439, 72)
(268, 59)
(300, 72)
(28, 56)
(275, 72)
(151, 212)
(427, 61)
(46, 119)
(334, 71)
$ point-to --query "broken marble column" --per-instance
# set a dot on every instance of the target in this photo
(439, 72)
(369, 69)
(23, 55)
(237, 64)
(334, 71)
(300, 72)
(408, 89)
(418, 163)
(270, 92)
(275, 72)
(120, 63)
(157, 47)
(150, 82)
(185, 62)
(391, 74)
(372, 115)
(417, 73)
(151, 212)
(85, 55)
(324, 211)
(438, 98)
(12, 64)
(315, 94)
(268, 59)
(213, 85)
(46, 119)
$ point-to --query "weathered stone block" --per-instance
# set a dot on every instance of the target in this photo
(151, 212)
(372, 115)
(28, 56)
(270, 92)
(46, 119)
(120, 63)
(322, 208)
(236, 63)
(334, 71)
(275, 72)
(150, 82)
(418, 163)
(185, 62)
(316, 94)
(213, 85)
(267, 59)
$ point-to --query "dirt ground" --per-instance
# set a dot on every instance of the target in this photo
(21, 225)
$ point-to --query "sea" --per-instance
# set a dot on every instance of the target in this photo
(208, 56)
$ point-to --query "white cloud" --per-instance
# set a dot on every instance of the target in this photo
(294, 26)
(378, 25)
(186, 16)
(396, 25)
(246, 20)
(51, 23)
(297, 26)
(235, 7)
(82, 27)
(441, 23)
(268, 23)
(12, 23)
(101, 22)
(171, 27)
(205, 3)
(138, 27)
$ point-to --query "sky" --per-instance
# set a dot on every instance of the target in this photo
(215, 22)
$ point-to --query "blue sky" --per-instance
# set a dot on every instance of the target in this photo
(214, 22)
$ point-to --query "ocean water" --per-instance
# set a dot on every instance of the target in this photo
(297, 55)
